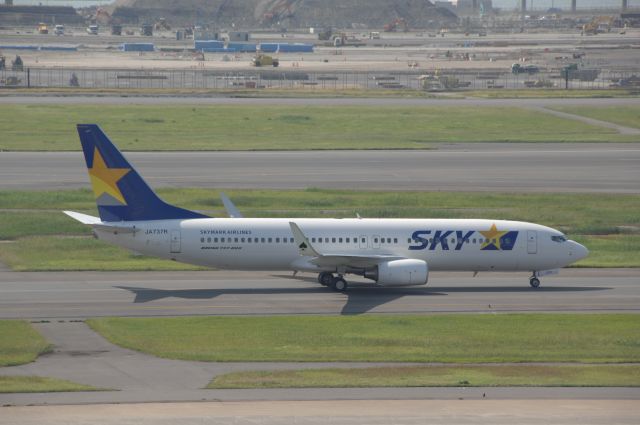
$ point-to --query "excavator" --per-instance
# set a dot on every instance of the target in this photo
(399, 25)
(598, 25)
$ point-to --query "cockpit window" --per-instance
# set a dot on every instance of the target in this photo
(559, 238)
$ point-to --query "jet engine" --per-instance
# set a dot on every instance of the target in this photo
(399, 273)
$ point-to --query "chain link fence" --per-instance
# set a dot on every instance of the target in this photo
(280, 79)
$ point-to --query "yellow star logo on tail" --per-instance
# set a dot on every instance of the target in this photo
(492, 238)
(105, 179)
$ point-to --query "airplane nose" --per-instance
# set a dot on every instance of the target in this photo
(578, 251)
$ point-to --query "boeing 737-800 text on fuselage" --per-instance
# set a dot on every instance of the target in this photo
(391, 252)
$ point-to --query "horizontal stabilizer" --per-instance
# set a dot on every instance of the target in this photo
(98, 224)
(83, 218)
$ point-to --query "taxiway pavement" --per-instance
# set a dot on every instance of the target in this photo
(65, 295)
(605, 168)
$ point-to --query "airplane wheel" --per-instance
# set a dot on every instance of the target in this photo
(339, 284)
(325, 278)
(534, 282)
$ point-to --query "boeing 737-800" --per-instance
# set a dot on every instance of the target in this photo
(391, 252)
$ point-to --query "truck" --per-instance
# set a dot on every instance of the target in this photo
(265, 60)
(92, 29)
(58, 30)
(43, 28)
(516, 68)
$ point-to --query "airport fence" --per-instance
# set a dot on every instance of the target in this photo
(286, 79)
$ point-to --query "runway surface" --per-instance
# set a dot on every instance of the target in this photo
(605, 168)
(92, 294)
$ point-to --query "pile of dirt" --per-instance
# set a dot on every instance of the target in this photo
(246, 14)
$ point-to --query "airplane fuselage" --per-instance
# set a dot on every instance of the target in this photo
(268, 244)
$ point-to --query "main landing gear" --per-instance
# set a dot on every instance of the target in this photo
(337, 283)
(534, 281)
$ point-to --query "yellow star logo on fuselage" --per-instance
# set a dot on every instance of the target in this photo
(105, 179)
(492, 237)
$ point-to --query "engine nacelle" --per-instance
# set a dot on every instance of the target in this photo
(400, 273)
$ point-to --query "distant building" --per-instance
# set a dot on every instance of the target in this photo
(445, 5)
(468, 6)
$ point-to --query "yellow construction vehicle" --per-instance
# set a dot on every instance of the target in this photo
(264, 60)
(598, 25)
(43, 28)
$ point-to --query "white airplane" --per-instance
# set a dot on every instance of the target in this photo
(391, 252)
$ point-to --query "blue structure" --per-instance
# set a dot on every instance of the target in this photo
(243, 47)
(201, 45)
(286, 48)
(137, 47)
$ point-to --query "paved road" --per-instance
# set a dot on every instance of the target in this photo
(606, 168)
(90, 294)
(371, 412)
(211, 100)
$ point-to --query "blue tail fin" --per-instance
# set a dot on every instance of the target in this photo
(121, 194)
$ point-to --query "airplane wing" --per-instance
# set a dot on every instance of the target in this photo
(335, 259)
(232, 211)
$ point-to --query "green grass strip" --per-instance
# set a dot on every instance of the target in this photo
(627, 115)
(437, 376)
(20, 343)
(60, 253)
(37, 384)
(596, 338)
(248, 127)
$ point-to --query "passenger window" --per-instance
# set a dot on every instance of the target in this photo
(202, 240)
(333, 240)
(277, 240)
(340, 240)
(313, 240)
(347, 240)
(242, 240)
(270, 240)
(395, 240)
(208, 240)
(409, 240)
(326, 240)
(235, 240)
(375, 240)
(221, 239)
(215, 240)
(262, 240)
(291, 240)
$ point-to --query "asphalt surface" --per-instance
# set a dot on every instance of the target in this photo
(605, 168)
(347, 412)
(77, 295)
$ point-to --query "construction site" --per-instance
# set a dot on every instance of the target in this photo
(313, 44)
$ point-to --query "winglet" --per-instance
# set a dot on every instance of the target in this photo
(304, 246)
(232, 211)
